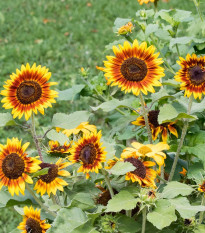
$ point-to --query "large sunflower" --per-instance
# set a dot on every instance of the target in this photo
(51, 182)
(57, 149)
(156, 127)
(149, 150)
(145, 1)
(88, 152)
(192, 75)
(28, 91)
(14, 166)
(134, 68)
(32, 222)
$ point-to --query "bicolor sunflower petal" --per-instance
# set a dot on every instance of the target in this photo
(133, 68)
(28, 91)
(88, 151)
(14, 166)
(192, 75)
(57, 149)
(32, 221)
(50, 182)
(145, 1)
(202, 187)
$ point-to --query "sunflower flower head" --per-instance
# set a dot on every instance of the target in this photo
(127, 28)
(28, 91)
(88, 151)
(51, 182)
(145, 1)
(202, 187)
(32, 221)
(14, 166)
(134, 68)
(149, 150)
(192, 75)
(57, 149)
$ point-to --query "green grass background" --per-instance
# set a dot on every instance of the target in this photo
(63, 35)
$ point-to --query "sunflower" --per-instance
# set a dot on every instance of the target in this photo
(157, 128)
(202, 187)
(84, 127)
(149, 150)
(192, 75)
(134, 68)
(51, 182)
(32, 221)
(127, 28)
(57, 149)
(14, 166)
(88, 152)
(145, 1)
(28, 91)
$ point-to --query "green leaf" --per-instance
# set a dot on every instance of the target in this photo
(83, 201)
(43, 171)
(180, 40)
(121, 201)
(167, 112)
(112, 104)
(174, 188)
(5, 118)
(115, 43)
(198, 107)
(161, 94)
(150, 29)
(121, 168)
(184, 208)
(196, 171)
(200, 229)
(55, 136)
(165, 15)
(68, 219)
(70, 94)
(109, 148)
(163, 215)
(70, 121)
(128, 225)
(182, 16)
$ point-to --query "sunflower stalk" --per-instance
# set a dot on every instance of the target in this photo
(201, 215)
(145, 115)
(144, 219)
(196, 3)
(129, 213)
(39, 202)
(184, 131)
(107, 180)
(35, 138)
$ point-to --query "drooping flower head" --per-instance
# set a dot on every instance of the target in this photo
(202, 187)
(157, 128)
(14, 166)
(51, 181)
(28, 91)
(145, 1)
(149, 150)
(57, 149)
(88, 151)
(192, 75)
(133, 68)
(32, 222)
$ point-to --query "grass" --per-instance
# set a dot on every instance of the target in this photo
(63, 35)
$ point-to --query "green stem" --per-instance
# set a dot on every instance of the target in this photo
(184, 131)
(33, 132)
(177, 47)
(107, 180)
(145, 115)
(196, 3)
(162, 179)
(201, 215)
(129, 213)
(144, 219)
(39, 202)
(129, 38)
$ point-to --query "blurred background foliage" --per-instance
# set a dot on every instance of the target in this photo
(64, 36)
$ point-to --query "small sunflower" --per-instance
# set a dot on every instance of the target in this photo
(32, 222)
(88, 152)
(202, 187)
(57, 149)
(51, 182)
(192, 75)
(127, 28)
(84, 127)
(14, 166)
(28, 91)
(134, 68)
(149, 150)
(157, 128)
(145, 1)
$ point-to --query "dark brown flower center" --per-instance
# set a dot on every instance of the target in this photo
(153, 118)
(140, 168)
(13, 166)
(134, 69)
(33, 226)
(197, 75)
(88, 154)
(52, 172)
(29, 92)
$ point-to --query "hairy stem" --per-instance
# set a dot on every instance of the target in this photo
(39, 202)
(184, 131)
(107, 180)
(196, 3)
(144, 219)
(145, 115)
(201, 215)
(33, 131)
